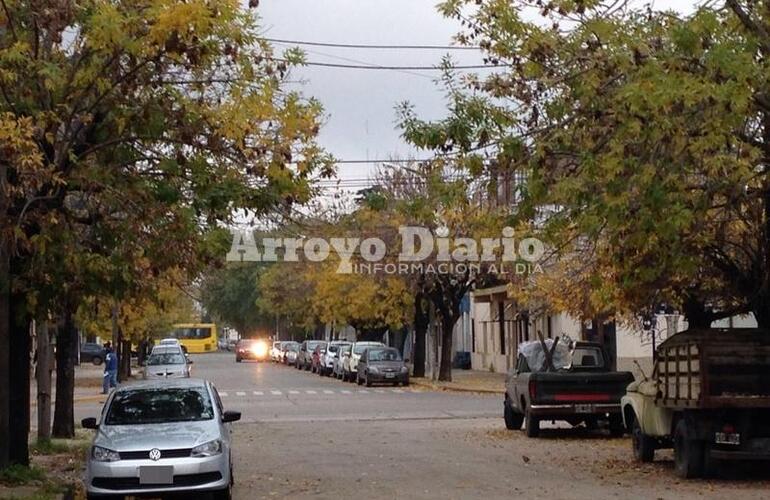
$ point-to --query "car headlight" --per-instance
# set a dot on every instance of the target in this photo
(104, 455)
(207, 449)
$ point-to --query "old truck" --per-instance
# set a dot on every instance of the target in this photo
(708, 397)
(570, 381)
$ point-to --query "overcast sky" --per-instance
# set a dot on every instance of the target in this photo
(360, 104)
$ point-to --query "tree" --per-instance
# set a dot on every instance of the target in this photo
(640, 134)
(231, 294)
(161, 119)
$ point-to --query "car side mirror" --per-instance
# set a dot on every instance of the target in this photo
(231, 416)
(89, 423)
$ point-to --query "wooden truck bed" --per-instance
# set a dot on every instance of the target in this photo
(715, 368)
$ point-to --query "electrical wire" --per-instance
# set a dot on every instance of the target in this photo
(393, 68)
(371, 46)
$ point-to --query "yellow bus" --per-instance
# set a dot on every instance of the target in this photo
(196, 337)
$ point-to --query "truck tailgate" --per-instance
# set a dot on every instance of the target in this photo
(578, 387)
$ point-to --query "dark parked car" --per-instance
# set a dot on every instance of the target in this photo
(91, 352)
(305, 354)
(576, 385)
(382, 365)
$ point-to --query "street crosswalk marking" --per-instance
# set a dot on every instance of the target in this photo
(223, 394)
(343, 391)
(310, 392)
(258, 393)
(379, 391)
(327, 391)
(277, 393)
(240, 393)
(291, 392)
(398, 391)
(363, 391)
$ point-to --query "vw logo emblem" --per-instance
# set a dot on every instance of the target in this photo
(154, 454)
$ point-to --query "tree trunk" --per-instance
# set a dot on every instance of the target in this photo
(448, 322)
(124, 359)
(5, 337)
(43, 376)
(19, 381)
(421, 322)
(66, 343)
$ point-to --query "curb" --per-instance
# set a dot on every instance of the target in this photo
(436, 387)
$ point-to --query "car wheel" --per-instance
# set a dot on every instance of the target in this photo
(689, 453)
(532, 424)
(513, 419)
(96, 360)
(644, 445)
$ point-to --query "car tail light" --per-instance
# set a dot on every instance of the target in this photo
(728, 429)
(532, 390)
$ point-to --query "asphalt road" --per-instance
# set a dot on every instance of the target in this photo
(304, 436)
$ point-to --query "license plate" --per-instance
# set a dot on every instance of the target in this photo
(390, 375)
(725, 438)
(584, 408)
(156, 474)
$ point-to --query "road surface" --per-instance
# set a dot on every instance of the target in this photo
(304, 436)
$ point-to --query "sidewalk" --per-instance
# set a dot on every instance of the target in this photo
(466, 381)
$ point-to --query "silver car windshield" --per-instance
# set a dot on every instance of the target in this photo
(166, 358)
(154, 406)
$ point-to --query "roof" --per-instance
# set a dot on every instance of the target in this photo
(163, 383)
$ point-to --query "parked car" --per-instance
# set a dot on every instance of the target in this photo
(159, 437)
(305, 353)
(350, 362)
(290, 351)
(91, 352)
(326, 365)
(708, 397)
(167, 362)
(337, 363)
(577, 385)
(381, 365)
(316, 356)
(254, 349)
(275, 352)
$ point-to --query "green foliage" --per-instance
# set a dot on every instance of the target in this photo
(16, 475)
(638, 133)
(231, 294)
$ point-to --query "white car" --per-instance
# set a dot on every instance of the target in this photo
(276, 353)
(326, 365)
(350, 363)
(337, 365)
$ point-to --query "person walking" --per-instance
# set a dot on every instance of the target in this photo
(110, 369)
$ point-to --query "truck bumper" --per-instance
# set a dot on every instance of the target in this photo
(753, 449)
(563, 410)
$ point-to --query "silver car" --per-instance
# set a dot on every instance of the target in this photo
(167, 362)
(163, 436)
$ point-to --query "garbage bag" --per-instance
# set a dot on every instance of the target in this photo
(533, 352)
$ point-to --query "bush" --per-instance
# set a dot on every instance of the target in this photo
(15, 475)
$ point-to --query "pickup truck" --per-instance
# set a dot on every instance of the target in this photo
(575, 385)
(708, 397)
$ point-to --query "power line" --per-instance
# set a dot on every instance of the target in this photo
(393, 68)
(371, 46)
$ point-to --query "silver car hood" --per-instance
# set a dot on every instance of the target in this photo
(166, 436)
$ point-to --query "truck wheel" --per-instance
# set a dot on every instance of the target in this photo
(688, 453)
(644, 445)
(513, 419)
(532, 424)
